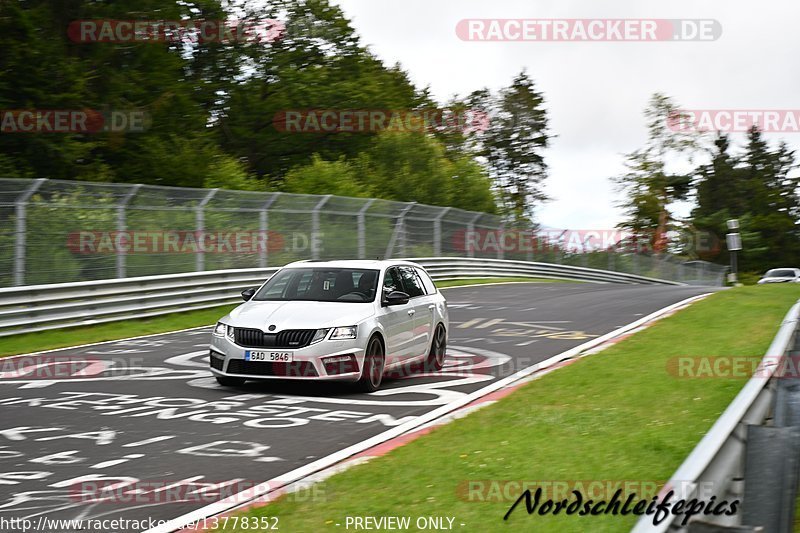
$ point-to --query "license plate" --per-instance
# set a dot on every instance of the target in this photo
(269, 357)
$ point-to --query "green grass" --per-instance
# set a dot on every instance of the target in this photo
(616, 415)
(62, 338)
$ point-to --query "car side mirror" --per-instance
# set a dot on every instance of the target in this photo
(248, 294)
(396, 298)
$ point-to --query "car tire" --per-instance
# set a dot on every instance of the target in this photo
(372, 369)
(227, 381)
(436, 356)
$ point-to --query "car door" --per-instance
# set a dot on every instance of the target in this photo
(397, 321)
(423, 312)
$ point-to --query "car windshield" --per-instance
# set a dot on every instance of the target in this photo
(780, 273)
(320, 285)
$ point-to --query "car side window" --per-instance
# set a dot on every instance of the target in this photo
(411, 283)
(427, 282)
(391, 281)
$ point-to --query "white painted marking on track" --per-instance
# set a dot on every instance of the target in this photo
(526, 343)
(37, 384)
(148, 441)
(114, 462)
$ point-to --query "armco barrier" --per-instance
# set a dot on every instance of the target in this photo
(730, 464)
(40, 307)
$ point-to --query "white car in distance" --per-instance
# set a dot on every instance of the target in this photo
(333, 320)
(781, 275)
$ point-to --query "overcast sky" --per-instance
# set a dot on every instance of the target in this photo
(595, 91)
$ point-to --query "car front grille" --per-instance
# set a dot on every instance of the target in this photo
(290, 338)
(304, 369)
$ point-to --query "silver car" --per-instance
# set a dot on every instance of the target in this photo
(335, 320)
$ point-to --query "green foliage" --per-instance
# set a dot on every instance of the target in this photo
(649, 187)
(757, 189)
(331, 177)
(512, 144)
(403, 166)
(211, 106)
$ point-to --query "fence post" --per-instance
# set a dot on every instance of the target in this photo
(398, 229)
(468, 237)
(122, 225)
(529, 236)
(200, 226)
(500, 252)
(362, 229)
(263, 227)
(313, 241)
(437, 232)
(21, 228)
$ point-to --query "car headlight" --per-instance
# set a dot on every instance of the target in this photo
(220, 330)
(347, 332)
(319, 335)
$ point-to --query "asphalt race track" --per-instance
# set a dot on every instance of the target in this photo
(138, 429)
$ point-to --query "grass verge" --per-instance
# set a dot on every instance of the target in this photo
(62, 338)
(617, 415)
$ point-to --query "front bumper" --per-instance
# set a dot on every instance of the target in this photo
(226, 358)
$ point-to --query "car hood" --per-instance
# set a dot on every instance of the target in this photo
(299, 315)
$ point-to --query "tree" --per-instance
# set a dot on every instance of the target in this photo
(720, 185)
(44, 69)
(513, 145)
(326, 177)
(414, 167)
(320, 64)
(757, 188)
(212, 105)
(648, 186)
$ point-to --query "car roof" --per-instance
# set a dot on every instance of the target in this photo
(352, 263)
(783, 268)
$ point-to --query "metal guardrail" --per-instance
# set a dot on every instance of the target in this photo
(718, 464)
(448, 268)
(41, 307)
